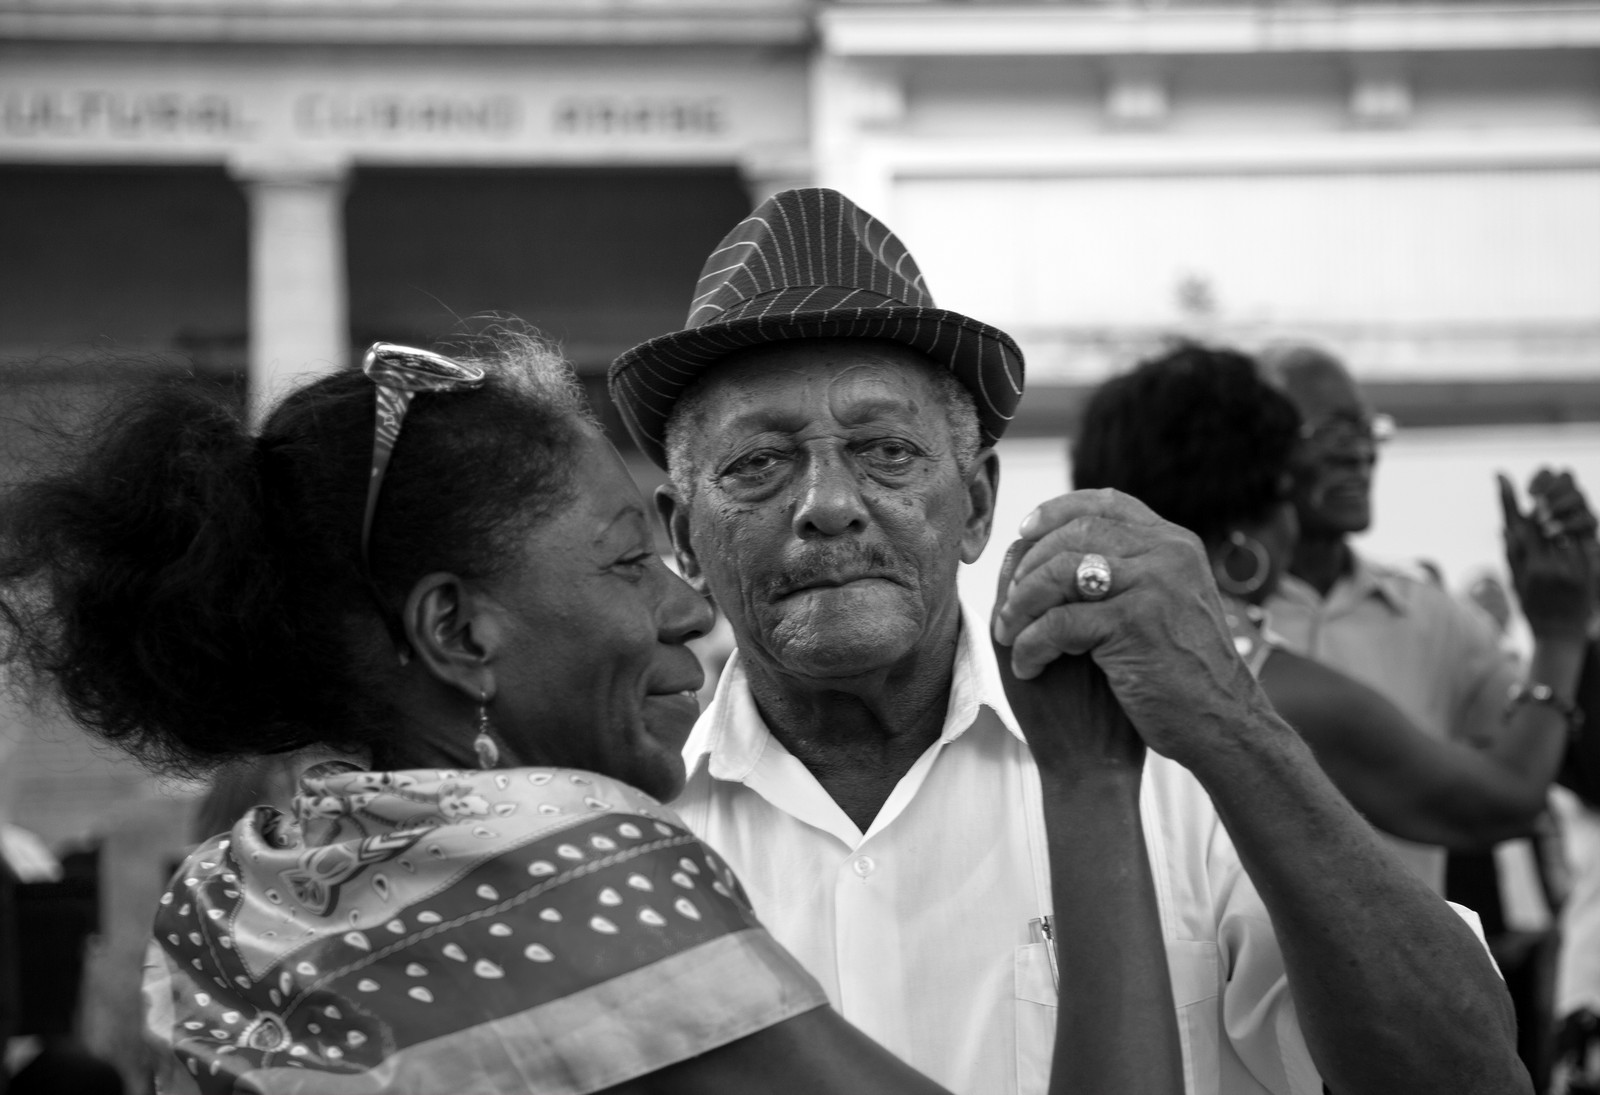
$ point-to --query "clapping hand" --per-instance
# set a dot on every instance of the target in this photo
(1551, 552)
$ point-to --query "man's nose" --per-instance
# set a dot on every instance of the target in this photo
(830, 503)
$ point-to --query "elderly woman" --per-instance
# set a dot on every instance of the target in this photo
(1202, 439)
(435, 584)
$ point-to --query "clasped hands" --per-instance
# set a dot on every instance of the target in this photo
(1160, 636)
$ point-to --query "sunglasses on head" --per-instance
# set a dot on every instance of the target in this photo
(400, 372)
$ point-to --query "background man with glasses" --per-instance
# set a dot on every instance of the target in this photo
(1391, 629)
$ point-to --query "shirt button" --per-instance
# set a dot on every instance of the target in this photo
(864, 865)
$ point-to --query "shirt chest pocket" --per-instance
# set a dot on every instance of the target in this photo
(1193, 967)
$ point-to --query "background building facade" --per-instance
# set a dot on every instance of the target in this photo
(262, 188)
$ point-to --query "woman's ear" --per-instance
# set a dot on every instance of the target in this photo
(455, 632)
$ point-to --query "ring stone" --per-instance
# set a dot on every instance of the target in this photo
(1094, 577)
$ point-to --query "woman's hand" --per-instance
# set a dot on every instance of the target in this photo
(1549, 551)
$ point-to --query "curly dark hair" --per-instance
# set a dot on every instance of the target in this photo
(195, 594)
(1195, 433)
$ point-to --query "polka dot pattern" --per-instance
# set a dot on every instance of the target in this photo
(553, 904)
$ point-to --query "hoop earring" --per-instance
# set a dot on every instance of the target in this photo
(488, 752)
(1262, 567)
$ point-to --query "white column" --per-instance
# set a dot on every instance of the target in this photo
(299, 322)
(855, 102)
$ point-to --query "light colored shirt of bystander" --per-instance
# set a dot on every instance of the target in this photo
(1429, 654)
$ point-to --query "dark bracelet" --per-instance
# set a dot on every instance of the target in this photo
(1545, 696)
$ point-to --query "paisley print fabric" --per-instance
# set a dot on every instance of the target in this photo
(440, 931)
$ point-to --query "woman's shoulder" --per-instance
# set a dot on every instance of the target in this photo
(395, 908)
(509, 803)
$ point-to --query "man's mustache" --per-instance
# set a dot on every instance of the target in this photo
(826, 563)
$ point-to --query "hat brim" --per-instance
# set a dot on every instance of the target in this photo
(647, 381)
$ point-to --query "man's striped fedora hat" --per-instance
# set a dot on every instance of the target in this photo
(810, 264)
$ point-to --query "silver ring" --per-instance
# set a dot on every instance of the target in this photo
(1094, 577)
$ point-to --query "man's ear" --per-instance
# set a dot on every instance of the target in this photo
(983, 487)
(455, 632)
(675, 516)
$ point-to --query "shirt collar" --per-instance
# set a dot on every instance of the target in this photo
(1367, 580)
(1363, 581)
(976, 683)
(733, 735)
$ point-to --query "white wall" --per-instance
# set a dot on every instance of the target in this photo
(1439, 274)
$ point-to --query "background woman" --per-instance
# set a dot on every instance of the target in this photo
(1201, 438)
(434, 583)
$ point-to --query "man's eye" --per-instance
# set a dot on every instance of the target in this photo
(890, 451)
(755, 463)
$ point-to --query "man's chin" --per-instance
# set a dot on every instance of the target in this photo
(1337, 520)
(835, 634)
(1351, 523)
(837, 655)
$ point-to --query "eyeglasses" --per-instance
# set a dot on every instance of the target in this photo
(1344, 431)
(400, 372)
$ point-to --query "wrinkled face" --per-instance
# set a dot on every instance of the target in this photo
(828, 515)
(594, 672)
(1336, 457)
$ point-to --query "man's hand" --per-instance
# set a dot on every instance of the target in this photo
(1073, 722)
(1160, 636)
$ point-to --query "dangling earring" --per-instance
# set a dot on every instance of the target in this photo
(1260, 563)
(488, 752)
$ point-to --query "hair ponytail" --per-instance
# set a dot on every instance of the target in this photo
(140, 581)
(194, 594)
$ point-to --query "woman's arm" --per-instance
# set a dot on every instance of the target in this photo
(1443, 792)
(1116, 1031)
(1403, 781)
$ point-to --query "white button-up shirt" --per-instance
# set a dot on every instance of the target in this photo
(919, 929)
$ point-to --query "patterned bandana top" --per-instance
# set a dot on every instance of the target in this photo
(421, 931)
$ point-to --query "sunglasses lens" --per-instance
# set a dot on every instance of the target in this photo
(416, 370)
(399, 373)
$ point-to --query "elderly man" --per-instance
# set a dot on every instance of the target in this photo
(828, 435)
(1394, 630)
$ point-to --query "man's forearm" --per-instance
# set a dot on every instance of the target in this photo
(1394, 992)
